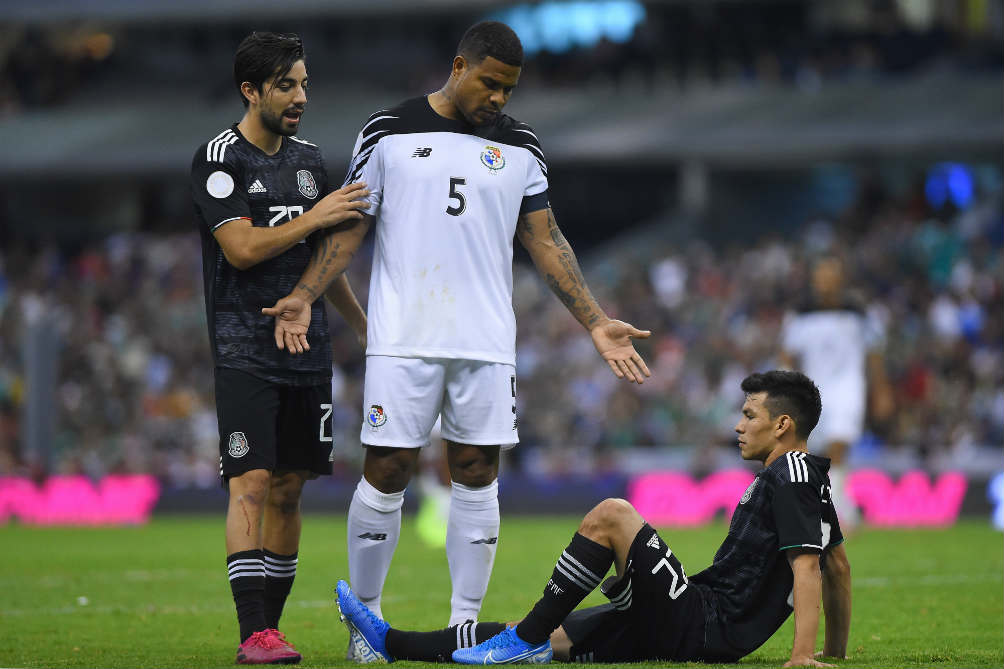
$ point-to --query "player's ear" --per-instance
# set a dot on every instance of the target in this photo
(783, 424)
(250, 92)
(459, 65)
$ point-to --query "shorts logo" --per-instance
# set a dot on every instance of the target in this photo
(653, 542)
(749, 492)
(492, 158)
(305, 182)
(238, 445)
(376, 416)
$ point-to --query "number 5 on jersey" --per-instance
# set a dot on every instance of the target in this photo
(457, 209)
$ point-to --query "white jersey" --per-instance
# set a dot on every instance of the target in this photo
(446, 196)
(831, 346)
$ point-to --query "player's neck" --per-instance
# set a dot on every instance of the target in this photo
(442, 103)
(781, 449)
(252, 129)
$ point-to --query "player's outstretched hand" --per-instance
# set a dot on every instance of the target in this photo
(613, 340)
(342, 205)
(292, 319)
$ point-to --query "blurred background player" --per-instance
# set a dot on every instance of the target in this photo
(453, 180)
(833, 339)
(260, 194)
(782, 555)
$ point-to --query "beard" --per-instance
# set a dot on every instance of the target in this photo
(274, 123)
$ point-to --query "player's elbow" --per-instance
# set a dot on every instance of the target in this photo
(240, 257)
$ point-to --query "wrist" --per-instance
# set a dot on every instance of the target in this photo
(600, 322)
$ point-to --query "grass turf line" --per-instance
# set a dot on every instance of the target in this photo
(157, 596)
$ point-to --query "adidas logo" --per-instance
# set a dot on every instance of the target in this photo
(375, 536)
(256, 187)
(653, 542)
(490, 541)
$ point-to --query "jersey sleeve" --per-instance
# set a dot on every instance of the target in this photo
(535, 186)
(797, 511)
(791, 336)
(217, 191)
(367, 161)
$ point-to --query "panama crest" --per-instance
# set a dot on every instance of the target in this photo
(492, 158)
(238, 445)
(376, 416)
(305, 182)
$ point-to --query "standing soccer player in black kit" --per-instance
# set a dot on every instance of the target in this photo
(783, 554)
(261, 203)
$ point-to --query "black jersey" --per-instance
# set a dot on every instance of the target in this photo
(233, 179)
(748, 587)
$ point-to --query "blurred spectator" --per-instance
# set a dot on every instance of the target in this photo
(135, 377)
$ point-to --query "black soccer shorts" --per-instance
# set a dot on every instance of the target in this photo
(265, 425)
(654, 613)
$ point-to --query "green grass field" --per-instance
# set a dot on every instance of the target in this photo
(157, 596)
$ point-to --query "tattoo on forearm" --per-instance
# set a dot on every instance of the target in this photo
(321, 268)
(575, 294)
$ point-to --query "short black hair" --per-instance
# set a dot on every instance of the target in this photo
(491, 38)
(791, 393)
(262, 55)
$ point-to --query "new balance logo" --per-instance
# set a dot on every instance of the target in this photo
(490, 541)
(422, 152)
(653, 542)
(375, 536)
(256, 187)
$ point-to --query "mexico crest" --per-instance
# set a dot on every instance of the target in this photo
(238, 445)
(305, 182)
(749, 492)
(492, 158)
(376, 416)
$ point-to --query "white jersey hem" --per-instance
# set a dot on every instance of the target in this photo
(446, 354)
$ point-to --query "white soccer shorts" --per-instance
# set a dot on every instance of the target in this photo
(403, 397)
(842, 419)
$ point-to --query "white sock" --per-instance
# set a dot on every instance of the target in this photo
(374, 528)
(846, 510)
(471, 539)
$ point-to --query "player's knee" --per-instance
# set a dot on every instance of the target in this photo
(473, 466)
(390, 469)
(606, 516)
(252, 486)
(285, 493)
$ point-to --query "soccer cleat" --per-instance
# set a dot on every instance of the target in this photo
(367, 632)
(267, 647)
(505, 648)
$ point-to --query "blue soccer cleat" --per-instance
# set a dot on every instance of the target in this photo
(505, 648)
(367, 632)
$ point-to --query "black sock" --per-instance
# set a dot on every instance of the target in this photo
(438, 646)
(247, 582)
(280, 570)
(577, 573)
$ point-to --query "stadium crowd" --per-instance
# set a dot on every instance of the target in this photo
(683, 44)
(133, 385)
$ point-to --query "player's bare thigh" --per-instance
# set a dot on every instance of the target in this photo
(471, 465)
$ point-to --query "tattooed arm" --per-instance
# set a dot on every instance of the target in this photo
(557, 264)
(330, 258)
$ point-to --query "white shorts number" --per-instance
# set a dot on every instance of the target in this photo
(326, 408)
(674, 591)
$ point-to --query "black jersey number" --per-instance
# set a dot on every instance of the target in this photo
(457, 209)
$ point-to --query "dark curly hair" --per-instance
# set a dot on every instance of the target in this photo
(263, 55)
(491, 38)
(791, 393)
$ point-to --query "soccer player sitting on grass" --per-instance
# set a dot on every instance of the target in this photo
(783, 553)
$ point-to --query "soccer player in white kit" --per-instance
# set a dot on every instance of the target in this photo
(833, 341)
(452, 180)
